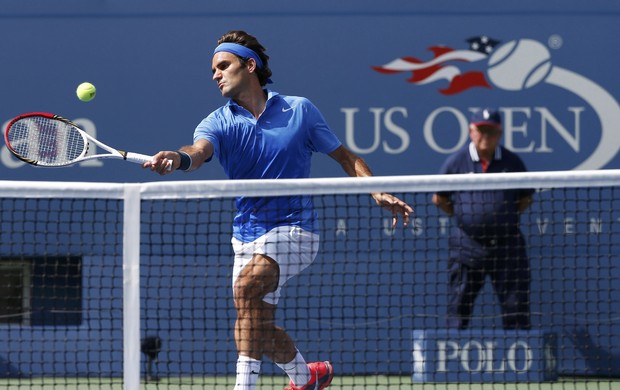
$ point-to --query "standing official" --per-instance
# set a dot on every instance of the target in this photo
(485, 236)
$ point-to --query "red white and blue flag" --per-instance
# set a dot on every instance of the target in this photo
(446, 64)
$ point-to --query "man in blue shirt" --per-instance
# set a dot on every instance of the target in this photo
(485, 237)
(260, 134)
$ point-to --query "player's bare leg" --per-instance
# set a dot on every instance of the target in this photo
(255, 331)
(254, 328)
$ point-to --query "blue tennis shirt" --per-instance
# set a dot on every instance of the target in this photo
(277, 145)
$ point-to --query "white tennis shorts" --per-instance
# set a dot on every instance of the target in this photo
(292, 247)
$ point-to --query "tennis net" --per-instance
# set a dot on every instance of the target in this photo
(108, 283)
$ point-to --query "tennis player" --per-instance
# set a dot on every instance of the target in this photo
(260, 134)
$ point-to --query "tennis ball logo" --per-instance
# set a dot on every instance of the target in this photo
(518, 65)
(86, 92)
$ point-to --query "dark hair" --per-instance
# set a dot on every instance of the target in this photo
(250, 41)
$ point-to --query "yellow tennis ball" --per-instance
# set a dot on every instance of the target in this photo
(86, 92)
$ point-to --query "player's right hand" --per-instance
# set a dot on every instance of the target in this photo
(164, 162)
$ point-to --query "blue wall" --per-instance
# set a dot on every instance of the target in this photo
(150, 61)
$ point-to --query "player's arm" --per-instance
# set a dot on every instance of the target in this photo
(355, 166)
(191, 156)
(525, 202)
(352, 164)
(444, 203)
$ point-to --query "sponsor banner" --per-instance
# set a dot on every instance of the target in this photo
(484, 356)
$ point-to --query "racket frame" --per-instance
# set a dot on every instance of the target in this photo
(89, 141)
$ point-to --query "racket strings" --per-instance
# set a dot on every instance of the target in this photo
(46, 141)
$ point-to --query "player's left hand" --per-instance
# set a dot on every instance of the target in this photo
(395, 206)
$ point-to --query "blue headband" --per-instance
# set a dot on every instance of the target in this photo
(239, 50)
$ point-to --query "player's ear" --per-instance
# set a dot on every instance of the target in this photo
(250, 63)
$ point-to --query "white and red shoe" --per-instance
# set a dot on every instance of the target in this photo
(321, 376)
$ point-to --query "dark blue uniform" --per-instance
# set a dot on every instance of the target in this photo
(485, 240)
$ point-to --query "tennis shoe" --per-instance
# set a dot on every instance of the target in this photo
(321, 375)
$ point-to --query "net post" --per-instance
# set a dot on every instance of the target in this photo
(131, 287)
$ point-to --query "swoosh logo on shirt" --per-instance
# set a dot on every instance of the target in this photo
(285, 109)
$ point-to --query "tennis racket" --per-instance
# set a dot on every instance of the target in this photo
(48, 140)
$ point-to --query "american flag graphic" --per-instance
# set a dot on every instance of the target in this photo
(445, 66)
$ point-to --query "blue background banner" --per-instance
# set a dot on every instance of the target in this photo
(151, 62)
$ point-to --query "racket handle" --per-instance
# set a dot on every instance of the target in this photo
(142, 158)
(137, 157)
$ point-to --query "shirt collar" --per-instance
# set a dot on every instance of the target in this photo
(232, 105)
(473, 153)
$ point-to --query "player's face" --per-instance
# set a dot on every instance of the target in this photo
(229, 74)
(485, 138)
